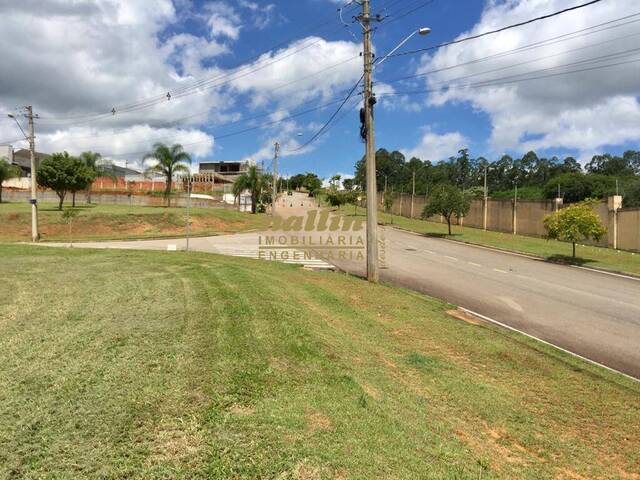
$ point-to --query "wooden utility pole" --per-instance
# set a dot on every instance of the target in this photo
(515, 210)
(486, 200)
(275, 178)
(187, 224)
(413, 191)
(370, 151)
(35, 235)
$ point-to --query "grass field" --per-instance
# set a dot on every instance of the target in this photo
(112, 222)
(130, 364)
(598, 257)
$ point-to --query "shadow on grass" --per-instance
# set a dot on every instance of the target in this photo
(568, 260)
(441, 235)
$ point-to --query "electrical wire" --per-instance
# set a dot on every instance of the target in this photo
(329, 127)
(465, 39)
(197, 86)
(177, 120)
(238, 132)
(527, 62)
(500, 82)
(498, 30)
(540, 44)
(401, 15)
(326, 124)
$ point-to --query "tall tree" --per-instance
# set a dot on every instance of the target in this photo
(447, 200)
(63, 173)
(575, 223)
(252, 181)
(170, 160)
(610, 165)
(7, 172)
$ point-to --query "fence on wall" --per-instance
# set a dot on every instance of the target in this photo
(526, 218)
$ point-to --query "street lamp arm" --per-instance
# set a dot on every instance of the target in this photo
(421, 31)
(19, 126)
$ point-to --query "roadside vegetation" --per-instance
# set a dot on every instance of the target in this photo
(131, 364)
(119, 222)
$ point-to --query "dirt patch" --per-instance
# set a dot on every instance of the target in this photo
(304, 471)
(172, 445)
(372, 392)
(316, 421)
(242, 410)
(464, 316)
(567, 474)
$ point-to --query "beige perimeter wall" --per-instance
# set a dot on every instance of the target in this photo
(529, 218)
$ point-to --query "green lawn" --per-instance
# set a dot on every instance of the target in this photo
(111, 222)
(131, 364)
(598, 257)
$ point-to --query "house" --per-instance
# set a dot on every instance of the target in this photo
(226, 169)
(21, 158)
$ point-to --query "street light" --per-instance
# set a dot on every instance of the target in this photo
(370, 155)
(424, 31)
(10, 115)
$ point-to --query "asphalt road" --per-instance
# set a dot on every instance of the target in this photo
(592, 314)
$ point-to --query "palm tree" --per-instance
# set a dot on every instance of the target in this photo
(170, 160)
(7, 172)
(100, 168)
(253, 181)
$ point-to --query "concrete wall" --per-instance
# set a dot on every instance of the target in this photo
(629, 229)
(529, 218)
(114, 198)
(23, 183)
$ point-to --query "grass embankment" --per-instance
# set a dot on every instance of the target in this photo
(553, 250)
(129, 364)
(114, 222)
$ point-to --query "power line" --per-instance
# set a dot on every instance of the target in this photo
(326, 124)
(546, 57)
(238, 132)
(395, 18)
(531, 46)
(498, 30)
(500, 82)
(207, 82)
(176, 120)
(329, 127)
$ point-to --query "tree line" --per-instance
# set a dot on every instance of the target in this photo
(536, 178)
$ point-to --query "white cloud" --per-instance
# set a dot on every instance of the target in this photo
(78, 58)
(315, 54)
(582, 111)
(436, 147)
(223, 21)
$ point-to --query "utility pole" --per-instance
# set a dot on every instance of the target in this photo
(515, 209)
(188, 206)
(35, 236)
(275, 178)
(413, 191)
(370, 152)
(486, 199)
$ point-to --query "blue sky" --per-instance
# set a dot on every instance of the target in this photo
(102, 54)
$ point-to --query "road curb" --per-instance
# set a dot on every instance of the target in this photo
(528, 335)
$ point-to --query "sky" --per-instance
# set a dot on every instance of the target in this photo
(243, 74)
